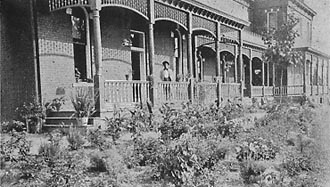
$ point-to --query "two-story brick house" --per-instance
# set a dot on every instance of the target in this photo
(50, 47)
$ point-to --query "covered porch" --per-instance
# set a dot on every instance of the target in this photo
(119, 51)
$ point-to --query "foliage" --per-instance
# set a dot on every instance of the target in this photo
(55, 104)
(281, 42)
(83, 103)
(31, 111)
(115, 125)
(13, 125)
(192, 146)
(75, 138)
(140, 121)
(98, 139)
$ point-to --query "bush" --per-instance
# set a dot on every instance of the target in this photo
(98, 139)
(75, 139)
(115, 125)
(13, 125)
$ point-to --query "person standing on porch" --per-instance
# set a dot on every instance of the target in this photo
(166, 74)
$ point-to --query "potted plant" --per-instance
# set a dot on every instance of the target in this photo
(84, 105)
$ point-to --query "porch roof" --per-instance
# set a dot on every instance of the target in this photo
(192, 6)
(314, 51)
(223, 15)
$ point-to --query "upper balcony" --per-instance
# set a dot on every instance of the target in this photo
(252, 38)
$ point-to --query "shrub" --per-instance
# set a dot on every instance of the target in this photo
(146, 151)
(13, 125)
(98, 139)
(140, 121)
(251, 171)
(75, 139)
(115, 125)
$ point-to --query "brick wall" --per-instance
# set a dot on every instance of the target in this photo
(55, 55)
(17, 60)
(116, 58)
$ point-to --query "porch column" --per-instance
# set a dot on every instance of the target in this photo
(273, 75)
(322, 77)
(263, 79)
(98, 80)
(217, 50)
(304, 76)
(317, 75)
(151, 51)
(312, 76)
(240, 56)
(251, 75)
(268, 68)
(235, 65)
(190, 59)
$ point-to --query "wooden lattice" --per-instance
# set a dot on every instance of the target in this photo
(139, 5)
(59, 4)
(199, 22)
(167, 12)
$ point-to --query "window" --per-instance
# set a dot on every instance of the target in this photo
(79, 44)
(271, 20)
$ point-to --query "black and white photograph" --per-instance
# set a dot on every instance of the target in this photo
(165, 93)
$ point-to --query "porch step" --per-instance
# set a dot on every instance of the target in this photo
(67, 113)
(64, 121)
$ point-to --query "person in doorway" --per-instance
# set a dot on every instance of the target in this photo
(166, 74)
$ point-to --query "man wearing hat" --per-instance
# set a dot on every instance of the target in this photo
(166, 74)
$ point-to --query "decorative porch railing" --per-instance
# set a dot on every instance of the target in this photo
(315, 90)
(172, 92)
(326, 89)
(268, 91)
(205, 93)
(257, 91)
(126, 92)
(295, 90)
(60, 4)
(230, 90)
(308, 90)
(280, 91)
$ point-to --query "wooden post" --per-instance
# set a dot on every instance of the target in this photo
(217, 50)
(190, 59)
(151, 50)
(98, 80)
(235, 65)
(317, 74)
(304, 76)
(251, 75)
(240, 56)
(263, 79)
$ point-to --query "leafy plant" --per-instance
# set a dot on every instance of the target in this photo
(75, 139)
(98, 139)
(55, 104)
(18, 126)
(83, 103)
(115, 125)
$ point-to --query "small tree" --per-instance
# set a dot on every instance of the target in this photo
(280, 46)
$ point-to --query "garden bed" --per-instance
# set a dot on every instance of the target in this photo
(192, 146)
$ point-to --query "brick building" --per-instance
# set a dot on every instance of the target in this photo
(51, 47)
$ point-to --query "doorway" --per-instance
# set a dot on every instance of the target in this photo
(136, 65)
